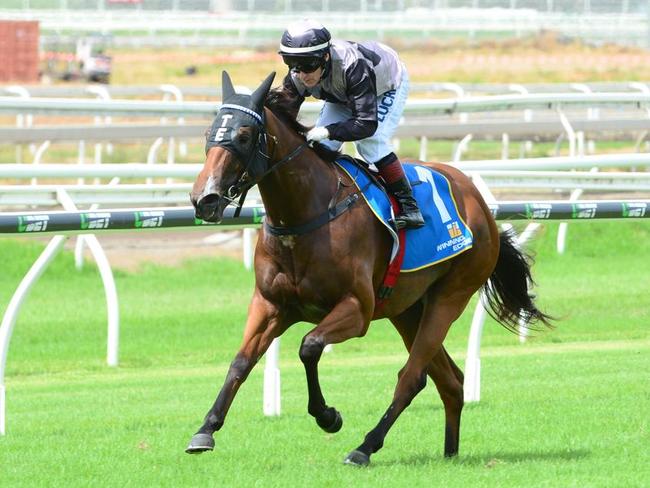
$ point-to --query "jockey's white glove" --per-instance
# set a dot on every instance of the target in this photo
(317, 134)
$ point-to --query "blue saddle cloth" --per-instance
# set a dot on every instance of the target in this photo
(445, 234)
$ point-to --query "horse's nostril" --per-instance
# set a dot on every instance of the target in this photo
(207, 208)
(209, 200)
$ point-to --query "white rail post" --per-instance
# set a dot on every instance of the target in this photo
(423, 148)
(272, 400)
(38, 155)
(151, 155)
(461, 147)
(248, 247)
(174, 91)
(592, 114)
(22, 120)
(102, 93)
(528, 232)
(472, 382)
(110, 291)
(9, 319)
(571, 135)
(460, 93)
(643, 88)
(79, 245)
(527, 146)
(81, 158)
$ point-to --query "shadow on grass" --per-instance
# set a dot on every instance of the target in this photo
(489, 460)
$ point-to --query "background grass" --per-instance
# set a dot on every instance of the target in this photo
(568, 408)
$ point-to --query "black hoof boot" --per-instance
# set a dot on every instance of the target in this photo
(331, 422)
(200, 443)
(357, 458)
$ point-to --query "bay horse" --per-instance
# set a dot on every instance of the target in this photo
(311, 267)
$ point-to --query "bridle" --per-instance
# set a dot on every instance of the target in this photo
(257, 162)
(257, 168)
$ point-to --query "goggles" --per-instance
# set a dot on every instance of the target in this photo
(303, 65)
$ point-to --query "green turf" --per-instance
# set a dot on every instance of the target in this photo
(568, 408)
(550, 419)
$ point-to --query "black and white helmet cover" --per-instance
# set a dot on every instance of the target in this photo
(305, 39)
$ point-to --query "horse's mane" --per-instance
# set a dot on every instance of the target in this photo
(285, 107)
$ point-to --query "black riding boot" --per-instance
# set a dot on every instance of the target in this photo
(410, 217)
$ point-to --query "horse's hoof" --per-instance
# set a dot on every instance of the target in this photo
(335, 425)
(200, 443)
(357, 458)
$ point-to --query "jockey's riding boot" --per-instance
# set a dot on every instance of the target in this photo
(410, 216)
(398, 185)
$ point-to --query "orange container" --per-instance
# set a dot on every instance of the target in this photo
(19, 51)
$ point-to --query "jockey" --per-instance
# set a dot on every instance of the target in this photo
(364, 86)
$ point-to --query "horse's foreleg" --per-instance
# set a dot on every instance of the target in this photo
(345, 321)
(437, 317)
(262, 326)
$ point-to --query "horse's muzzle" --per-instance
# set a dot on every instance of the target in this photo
(210, 208)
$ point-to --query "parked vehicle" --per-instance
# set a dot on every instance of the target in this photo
(88, 61)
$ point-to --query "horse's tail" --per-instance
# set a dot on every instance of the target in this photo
(506, 291)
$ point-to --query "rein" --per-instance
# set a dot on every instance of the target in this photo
(243, 186)
(245, 183)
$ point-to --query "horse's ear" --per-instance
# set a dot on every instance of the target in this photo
(259, 95)
(227, 89)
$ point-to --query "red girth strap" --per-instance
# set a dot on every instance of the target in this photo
(394, 267)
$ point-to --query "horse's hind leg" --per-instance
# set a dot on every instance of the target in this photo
(449, 382)
(447, 377)
(445, 302)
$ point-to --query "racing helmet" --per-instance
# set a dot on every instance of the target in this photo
(304, 45)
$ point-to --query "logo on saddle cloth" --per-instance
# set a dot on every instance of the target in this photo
(445, 234)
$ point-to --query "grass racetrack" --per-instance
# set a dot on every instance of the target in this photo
(571, 407)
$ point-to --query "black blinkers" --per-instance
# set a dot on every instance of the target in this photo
(240, 111)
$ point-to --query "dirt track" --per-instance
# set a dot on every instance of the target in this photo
(129, 250)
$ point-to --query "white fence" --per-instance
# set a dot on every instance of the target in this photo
(418, 24)
(491, 174)
(448, 106)
(580, 7)
(142, 170)
(558, 116)
(35, 223)
(443, 88)
(543, 129)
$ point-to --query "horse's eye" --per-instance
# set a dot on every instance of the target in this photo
(244, 135)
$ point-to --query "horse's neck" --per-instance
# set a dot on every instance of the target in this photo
(300, 189)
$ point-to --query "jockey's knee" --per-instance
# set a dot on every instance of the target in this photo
(386, 160)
